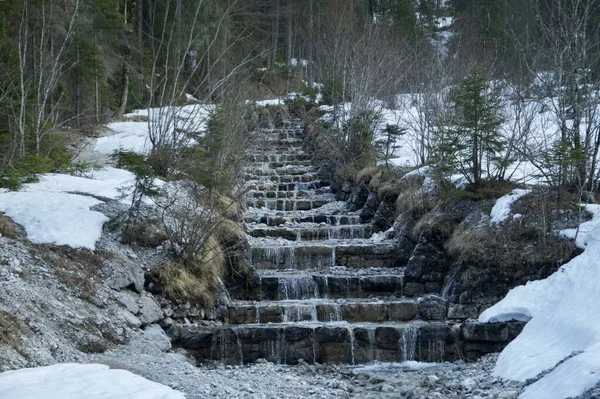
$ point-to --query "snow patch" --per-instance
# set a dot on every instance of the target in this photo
(90, 381)
(565, 319)
(501, 209)
(57, 210)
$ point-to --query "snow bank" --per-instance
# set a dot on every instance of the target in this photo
(55, 218)
(501, 209)
(75, 381)
(128, 136)
(564, 318)
(57, 210)
(134, 136)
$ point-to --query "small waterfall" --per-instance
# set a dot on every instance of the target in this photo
(336, 315)
(297, 288)
(326, 287)
(314, 345)
(332, 261)
(372, 348)
(257, 315)
(407, 344)
(351, 331)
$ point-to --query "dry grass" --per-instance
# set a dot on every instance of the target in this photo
(11, 327)
(229, 233)
(365, 175)
(199, 280)
(144, 233)
(77, 269)
(412, 200)
(228, 208)
(466, 240)
(7, 227)
(434, 222)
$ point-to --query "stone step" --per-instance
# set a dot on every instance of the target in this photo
(287, 286)
(279, 158)
(279, 164)
(298, 186)
(278, 149)
(325, 343)
(289, 204)
(303, 178)
(281, 171)
(314, 233)
(294, 194)
(278, 220)
(273, 255)
(349, 310)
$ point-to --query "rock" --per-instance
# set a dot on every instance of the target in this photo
(432, 380)
(468, 384)
(460, 311)
(157, 337)
(128, 300)
(149, 311)
(359, 198)
(508, 395)
(432, 308)
(588, 197)
(368, 211)
(384, 216)
(131, 320)
(403, 311)
(127, 275)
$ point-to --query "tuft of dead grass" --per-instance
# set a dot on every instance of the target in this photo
(465, 240)
(365, 175)
(144, 233)
(412, 200)
(11, 327)
(228, 208)
(198, 281)
(8, 227)
(77, 269)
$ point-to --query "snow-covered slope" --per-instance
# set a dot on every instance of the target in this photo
(564, 319)
(78, 381)
(57, 209)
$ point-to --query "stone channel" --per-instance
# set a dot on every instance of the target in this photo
(330, 289)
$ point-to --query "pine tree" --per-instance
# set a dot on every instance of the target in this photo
(471, 137)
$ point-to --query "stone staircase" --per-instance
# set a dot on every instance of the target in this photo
(330, 291)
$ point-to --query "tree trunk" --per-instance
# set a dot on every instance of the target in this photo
(125, 93)
(311, 39)
(275, 33)
(288, 52)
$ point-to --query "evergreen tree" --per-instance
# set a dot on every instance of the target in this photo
(471, 140)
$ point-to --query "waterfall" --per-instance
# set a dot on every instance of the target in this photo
(372, 348)
(351, 331)
(407, 344)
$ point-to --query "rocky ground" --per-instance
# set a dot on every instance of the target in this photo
(267, 380)
(61, 318)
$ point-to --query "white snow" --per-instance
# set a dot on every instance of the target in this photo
(77, 381)
(128, 136)
(501, 209)
(57, 210)
(134, 136)
(423, 171)
(564, 318)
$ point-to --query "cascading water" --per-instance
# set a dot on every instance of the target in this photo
(323, 278)
(408, 344)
